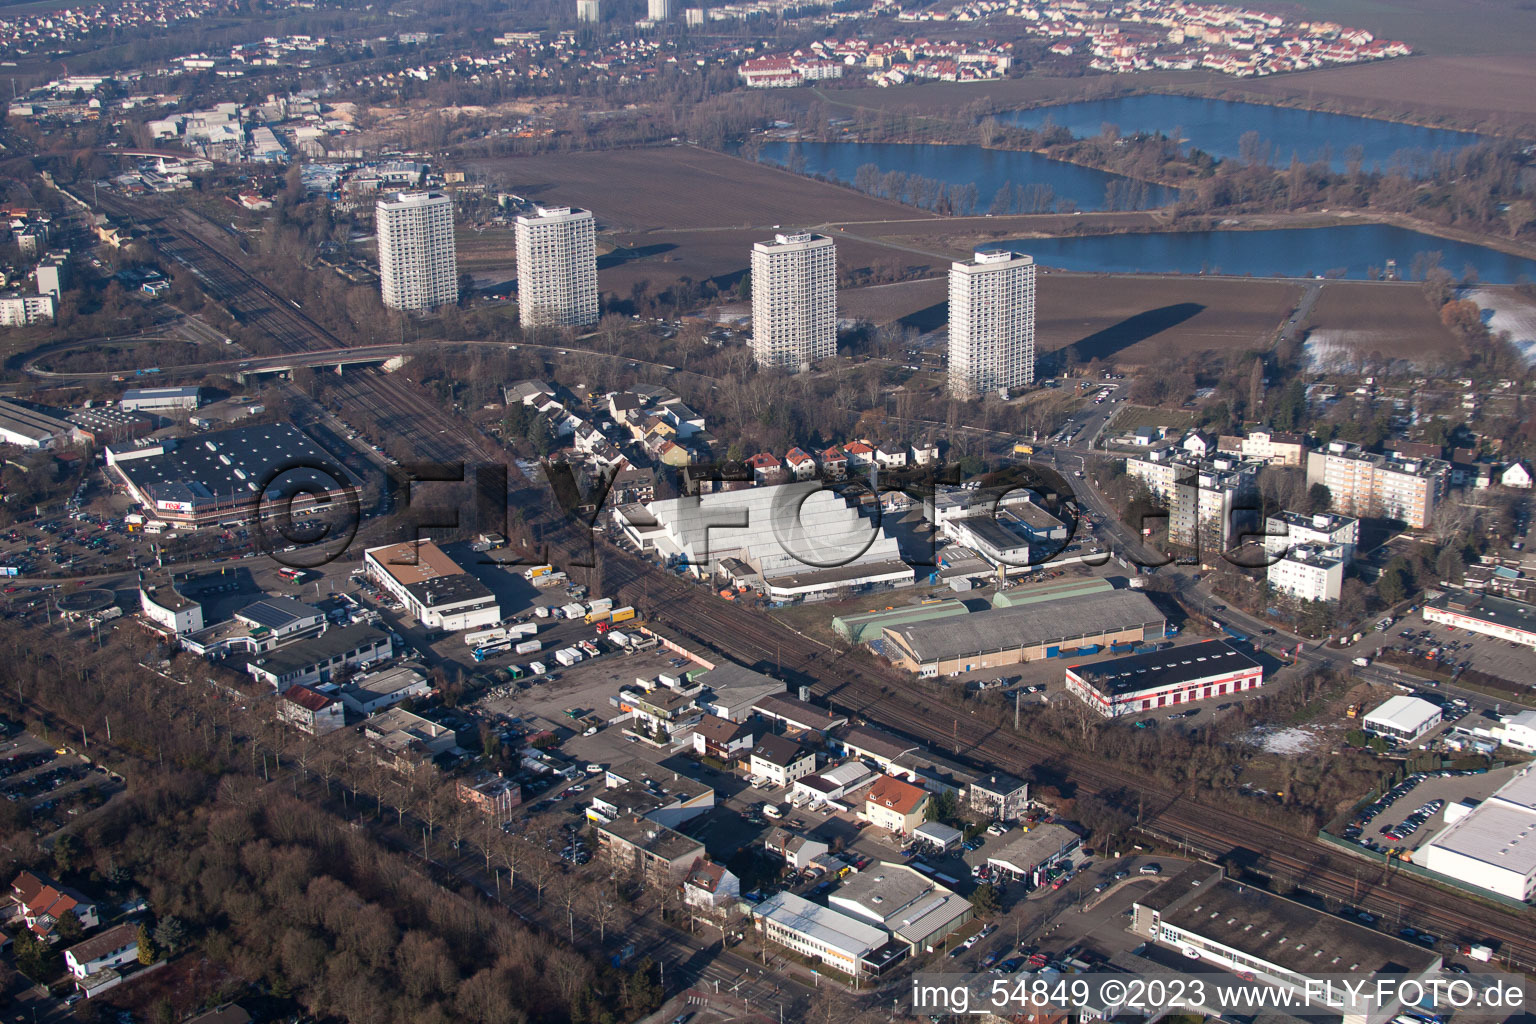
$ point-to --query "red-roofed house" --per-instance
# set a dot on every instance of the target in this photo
(311, 711)
(801, 465)
(711, 885)
(860, 455)
(896, 806)
(44, 902)
(766, 468)
(834, 463)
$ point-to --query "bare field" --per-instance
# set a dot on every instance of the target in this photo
(886, 303)
(1138, 320)
(1392, 319)
(1032, 90)
(1494, 94)
(722, 255)
(677, 187)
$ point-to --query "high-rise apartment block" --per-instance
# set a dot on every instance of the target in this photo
(991, 323)
(1309, 553)
(557, 267)
(1364, 483)
(794, 300)
(589, 11)
(659, 10)
(417, 265)
(1212, 503)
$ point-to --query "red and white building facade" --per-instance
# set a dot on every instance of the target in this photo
(1168, 678)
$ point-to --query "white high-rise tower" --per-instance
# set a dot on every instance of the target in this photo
(659, 10)
(794, 300)
(991, 323)
(418, 268)
(556, 267)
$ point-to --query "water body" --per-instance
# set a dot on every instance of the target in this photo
(1216, 126)
(1347, 251)
(1038, 182)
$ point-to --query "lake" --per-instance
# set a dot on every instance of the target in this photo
(1037, 182)
(1216, 126)
(1297, 252)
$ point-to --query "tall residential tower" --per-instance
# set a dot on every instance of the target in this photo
(794, 300)
(991, 323)
(556, 267)
(417, 265)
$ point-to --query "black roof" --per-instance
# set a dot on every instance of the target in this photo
(448, 590)
(277, 612)
(998, 783)
(778, 751)
(1157, 670)
(229, 464)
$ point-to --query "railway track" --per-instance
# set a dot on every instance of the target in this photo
(1291, 860)
(756, 640)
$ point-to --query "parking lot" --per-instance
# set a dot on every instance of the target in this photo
(1418, 792)
(54, 787)
(1456, 648)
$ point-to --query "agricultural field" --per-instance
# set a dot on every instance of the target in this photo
(1495, 93)
(1371, 320)
(1136, 320)
(674, 188)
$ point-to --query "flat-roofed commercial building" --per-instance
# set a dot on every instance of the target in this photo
(165, 606)
(1483, 613)
(1403, 718)
(161, 399)
(1027, 855)
(991, 323)
(1000, 637)
(903, 901)
(841, 942)
(556, 267)
(662, 854)
(384, 689)
(1273, 940)
(1167, 678)
(799, 538)
(316, 661)
(26, 427)
(431, 585)
(1494, 846)
(794, 301)
(108, 424)
(231, 475)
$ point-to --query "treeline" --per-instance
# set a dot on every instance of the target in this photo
(297, 901)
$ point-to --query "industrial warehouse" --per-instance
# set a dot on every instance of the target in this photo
(796, 540)
(1500, 617)
(1176, 675)
(434, 589)
(1490, 846)
(230, 475)
(1271, 939)
(997, 637)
